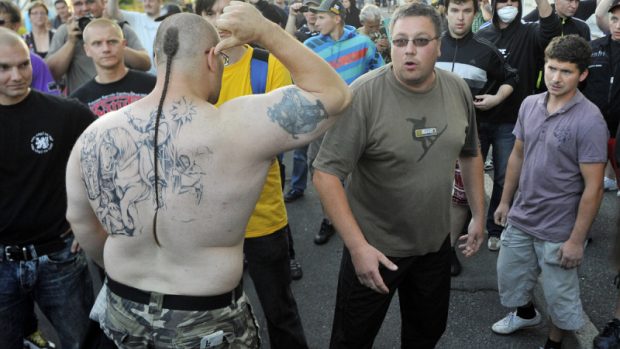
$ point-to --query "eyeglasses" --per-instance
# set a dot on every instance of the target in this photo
(418, 42)
(225, 58)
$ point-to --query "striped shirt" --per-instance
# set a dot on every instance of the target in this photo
(351, 56)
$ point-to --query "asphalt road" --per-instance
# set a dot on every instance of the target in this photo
(474, 303)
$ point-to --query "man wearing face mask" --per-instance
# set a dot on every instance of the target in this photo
(522, 45)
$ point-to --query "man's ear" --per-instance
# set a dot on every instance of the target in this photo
(583, 75)
(211, 59)
(86, 50)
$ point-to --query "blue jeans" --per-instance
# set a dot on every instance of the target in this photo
(60, 284)
(300, 169)
(268, 265)
(501, 138)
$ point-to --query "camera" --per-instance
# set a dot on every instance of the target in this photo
(303, 9)
(83, 21)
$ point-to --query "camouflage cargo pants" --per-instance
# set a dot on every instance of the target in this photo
(134, 325)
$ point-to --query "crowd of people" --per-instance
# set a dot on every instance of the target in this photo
(151, 143)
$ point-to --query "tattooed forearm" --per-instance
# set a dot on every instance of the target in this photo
(296, 114)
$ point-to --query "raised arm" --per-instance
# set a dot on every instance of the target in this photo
(293, 116)
(62, 49)
(544, 8)
(293, 11)
(112, 10)
(135, 55)
(137, 59)
(550, 25)
(602, 16)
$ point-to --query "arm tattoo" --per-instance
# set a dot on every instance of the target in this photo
(117, 166)
(296, 114)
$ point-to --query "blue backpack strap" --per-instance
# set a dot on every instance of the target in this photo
(258, 70)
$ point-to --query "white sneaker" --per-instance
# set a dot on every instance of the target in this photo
(609, 184)
(512, 323)
(494, 243)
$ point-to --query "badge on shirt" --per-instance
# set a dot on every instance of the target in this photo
(425, 132)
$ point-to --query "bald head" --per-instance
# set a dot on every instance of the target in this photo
(195, 37)
(15, 69)
(102, 23)
(10, 38)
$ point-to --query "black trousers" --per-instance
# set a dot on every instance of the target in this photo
(423, 284)
(268, 264)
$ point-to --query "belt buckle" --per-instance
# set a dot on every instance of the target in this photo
(11, 251)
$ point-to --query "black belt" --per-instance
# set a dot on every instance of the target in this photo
(177, 302)
(15, 253)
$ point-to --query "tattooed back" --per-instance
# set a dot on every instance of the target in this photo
(207, 190)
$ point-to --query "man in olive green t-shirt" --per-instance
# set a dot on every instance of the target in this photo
(406, 127)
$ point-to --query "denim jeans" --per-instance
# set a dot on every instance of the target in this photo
(60, 284)
(300, 169)
(268, 265)
(501, 138)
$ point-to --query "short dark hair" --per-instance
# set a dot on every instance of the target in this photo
(570, 48)
(203, 6)
(35, 4)
(59, 1)
(459, 2)
(417, 10)
(12, 10)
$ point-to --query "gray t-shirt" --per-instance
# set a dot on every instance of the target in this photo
(400, 148)
(551, 184)
(82, 68)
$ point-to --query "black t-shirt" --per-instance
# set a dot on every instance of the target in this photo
(615, 55)
(104, 98)
(36, 138)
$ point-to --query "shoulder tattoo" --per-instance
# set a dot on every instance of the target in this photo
(296, 114)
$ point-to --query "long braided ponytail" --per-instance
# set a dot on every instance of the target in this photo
(171, 46)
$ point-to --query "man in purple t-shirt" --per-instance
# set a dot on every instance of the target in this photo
(558, 162)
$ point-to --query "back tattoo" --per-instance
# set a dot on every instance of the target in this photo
(118, 167)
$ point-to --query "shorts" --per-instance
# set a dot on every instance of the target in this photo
(522, 258)
(132, 324)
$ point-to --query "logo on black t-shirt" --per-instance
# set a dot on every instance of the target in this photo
(42, 142)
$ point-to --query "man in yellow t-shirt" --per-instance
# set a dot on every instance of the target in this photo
(266, 243)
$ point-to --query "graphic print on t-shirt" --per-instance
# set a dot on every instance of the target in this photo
(114, 101)
(425, 135)
(41, 143)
